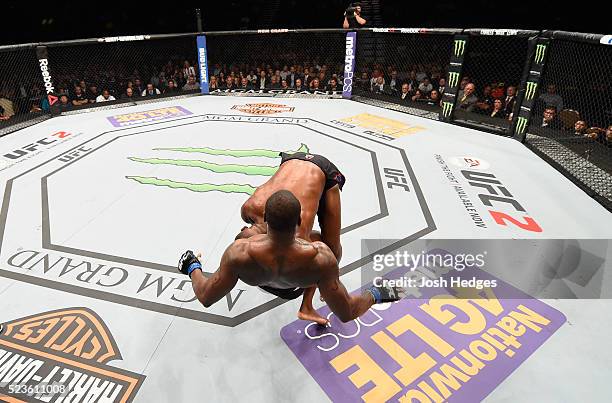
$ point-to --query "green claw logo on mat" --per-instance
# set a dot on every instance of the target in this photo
(254, 170)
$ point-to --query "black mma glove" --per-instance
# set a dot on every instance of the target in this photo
(386, 294)
(188, 263)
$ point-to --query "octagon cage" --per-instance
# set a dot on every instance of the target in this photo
(547, 89)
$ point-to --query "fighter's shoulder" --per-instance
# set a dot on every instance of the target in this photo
(324, 255)
(238, 251)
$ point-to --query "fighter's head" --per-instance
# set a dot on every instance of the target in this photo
(282, 212)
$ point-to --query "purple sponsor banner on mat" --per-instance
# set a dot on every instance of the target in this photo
(433, 348)
(154, 115)
(349, 64)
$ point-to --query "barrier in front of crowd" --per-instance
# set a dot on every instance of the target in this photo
(527, 70)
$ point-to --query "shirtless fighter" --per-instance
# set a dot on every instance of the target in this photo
(281, 260)
(316, 182)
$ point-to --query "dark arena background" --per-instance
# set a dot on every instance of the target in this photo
(471, 142)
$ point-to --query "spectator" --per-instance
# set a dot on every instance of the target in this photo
(298, 85)
(188, 70)
(580, 128)
(434, 97)
(245, 84)
(352, 17)
(105, 97)
(263, 82)
(608, 136)
(129, 94)
(150, 91)
(418, 96)
(274, 84)
(333, 85)
(291, 77)
(229, 83)
(64, 104)
(498, 109)
(485, 104)
(363, 82)
(442, 85)
(307, 77)
(425, 87)
(464, 81)
(394, 83)
(3, 115)
(549, 118)
(315, 85)
(138, 88)
(284, 73)
(405, 93)
(171, 88)
(510, 100)
(213, 84)
(92, 93)
(192, 84)
(466, 98)
(79, 98)
(412, 81)
(7, 106)
(551, 98)
(284, 85)
(380, 87)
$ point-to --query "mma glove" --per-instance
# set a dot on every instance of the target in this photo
(188, 263)
(386, 294)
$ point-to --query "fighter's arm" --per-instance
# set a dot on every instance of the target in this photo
(346, 307)
(210, 290)
(330, 225)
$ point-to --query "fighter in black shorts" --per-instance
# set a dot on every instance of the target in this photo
(316, 183)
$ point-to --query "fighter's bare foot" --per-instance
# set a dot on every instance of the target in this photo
(312, 316)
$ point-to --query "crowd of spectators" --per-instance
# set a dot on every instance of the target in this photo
(81, 88)
(417, 84)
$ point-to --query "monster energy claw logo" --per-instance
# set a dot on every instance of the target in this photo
(531, 90)
(521, 125)
(453, 79)
(459, 47)
(250, 170)
(540, 52)
(447, 108)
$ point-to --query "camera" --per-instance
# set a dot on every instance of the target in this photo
(352, 9)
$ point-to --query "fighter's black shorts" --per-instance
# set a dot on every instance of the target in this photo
(333, 176)
(284, 293)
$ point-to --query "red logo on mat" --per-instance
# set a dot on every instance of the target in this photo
(52, 99)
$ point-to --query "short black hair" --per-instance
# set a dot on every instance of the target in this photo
(282, 211)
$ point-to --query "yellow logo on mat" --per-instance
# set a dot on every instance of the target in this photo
(386, 126)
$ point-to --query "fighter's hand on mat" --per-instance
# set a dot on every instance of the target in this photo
(386, 294)
(189, 262)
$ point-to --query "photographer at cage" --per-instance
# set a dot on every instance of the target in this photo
(352, 17)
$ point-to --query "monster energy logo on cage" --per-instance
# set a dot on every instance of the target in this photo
(531, 90)
(447, 108)
(246, 188)
(540, 52)
(453, 79)
(459, 47)
(521, 125)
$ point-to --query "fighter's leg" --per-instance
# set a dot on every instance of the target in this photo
(330, 221)
(307, 311)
